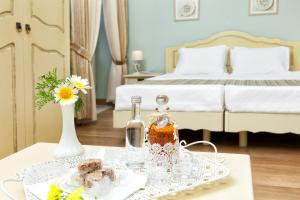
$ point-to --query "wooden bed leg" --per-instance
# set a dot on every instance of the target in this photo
(206, 135)
(243, 139)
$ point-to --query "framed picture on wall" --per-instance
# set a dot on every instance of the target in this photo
(263, 7)
(186, 10)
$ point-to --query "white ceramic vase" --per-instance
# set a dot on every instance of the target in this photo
(69, 144)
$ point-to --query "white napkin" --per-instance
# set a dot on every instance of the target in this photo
(131, 183)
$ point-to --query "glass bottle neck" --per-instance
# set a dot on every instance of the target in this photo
(136, 112)
(162, 108)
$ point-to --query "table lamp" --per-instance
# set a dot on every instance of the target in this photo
(137, 57)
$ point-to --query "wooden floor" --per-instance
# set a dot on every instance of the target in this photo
(275, 158)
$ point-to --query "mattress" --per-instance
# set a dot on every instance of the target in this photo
(200, 98)
(263, 99)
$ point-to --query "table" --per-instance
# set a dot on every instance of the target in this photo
(236, 187)
(138, 76)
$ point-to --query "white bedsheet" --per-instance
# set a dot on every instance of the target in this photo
(214, 98)
(205, 98)
(265, 99)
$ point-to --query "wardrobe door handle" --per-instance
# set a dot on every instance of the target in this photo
(27, 28)
(19, 26)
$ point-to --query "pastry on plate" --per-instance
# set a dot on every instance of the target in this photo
(89, 165)
(91, 171)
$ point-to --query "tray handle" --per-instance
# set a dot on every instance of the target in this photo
(3, 187)
(184, 145)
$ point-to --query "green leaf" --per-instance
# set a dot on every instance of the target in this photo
(45, 88)
(79, 104)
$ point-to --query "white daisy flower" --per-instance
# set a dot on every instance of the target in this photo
(65, 94)
(80, 83)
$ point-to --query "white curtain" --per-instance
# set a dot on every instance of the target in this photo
(116, 26)
(85, 24)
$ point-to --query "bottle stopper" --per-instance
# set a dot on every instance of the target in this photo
(162, 100)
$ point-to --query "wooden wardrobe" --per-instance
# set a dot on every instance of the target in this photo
(34, 38)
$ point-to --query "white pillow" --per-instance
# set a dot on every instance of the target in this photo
(260, 60)
(211, 60)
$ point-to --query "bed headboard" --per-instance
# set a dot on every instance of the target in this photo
(231, 39)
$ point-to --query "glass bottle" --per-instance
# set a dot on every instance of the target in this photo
(135, 135)
(162, 140)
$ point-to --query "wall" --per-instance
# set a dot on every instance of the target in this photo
(152, 28)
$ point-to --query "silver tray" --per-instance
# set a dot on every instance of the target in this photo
(203, 172)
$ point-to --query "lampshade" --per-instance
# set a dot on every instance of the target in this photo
(137, 55)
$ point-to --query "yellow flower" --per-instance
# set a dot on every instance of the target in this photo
(54, 192)
(65, 94)
(80, 83)
(76, 195)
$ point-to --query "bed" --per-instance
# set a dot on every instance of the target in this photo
(230, 119)
(194, 106)
(269, 106)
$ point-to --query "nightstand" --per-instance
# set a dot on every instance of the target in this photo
(138, 76)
